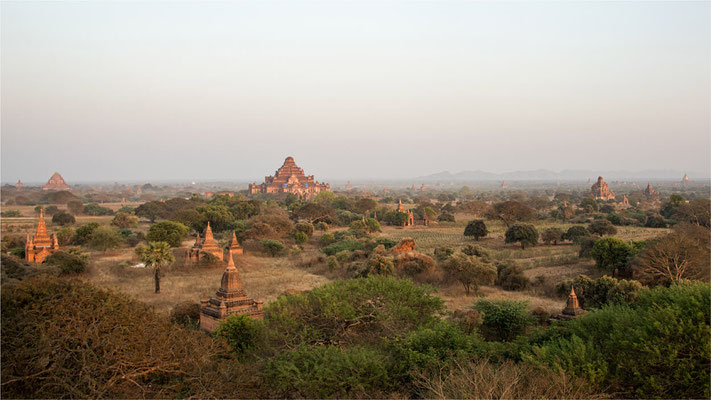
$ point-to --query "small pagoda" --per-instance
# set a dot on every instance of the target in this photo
(650, 193)
(209, 245)
(230, 299)
(233, 246)
(39, 247)
(572, 307)
(410, 216)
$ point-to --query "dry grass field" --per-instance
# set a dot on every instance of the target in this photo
(267, 277)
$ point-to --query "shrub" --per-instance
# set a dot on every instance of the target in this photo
(332, 263)
(63, 218)
(469, 271)
(53, 328)
(602, 227)
(170, 232)
(83, 233)
(123, 220)
(354, 311)
(476, 229)
(104, 238)
(612, 255)
(68, 263)
(95, 209)
(322, 226)
(503, 319)
(443, 253)
(510, 276)
(475, 251)
(552, 235)
(330, 372)
(380, 265)
(326, 239)
(305, 227)
(656, 347)
(272, 246)
(243, 333)
(411, 263)
(345, 244)
(10, 214)
(65, 236)
(372, 225)
(586, 246)
(526, 234)
(576, 233)
(655, 221)
(446, 217)
(300, 237)
(186, 314)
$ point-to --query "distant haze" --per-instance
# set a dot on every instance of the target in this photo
(104, 91)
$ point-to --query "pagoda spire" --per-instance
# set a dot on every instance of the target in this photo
(208, 232)
(230, 261)
(41, 226)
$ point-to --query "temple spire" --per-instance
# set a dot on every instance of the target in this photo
(208, 232)
(230, 261)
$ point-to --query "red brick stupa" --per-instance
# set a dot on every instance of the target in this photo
(572, 308)
(233, 246)
(56, 182)
(230, 299)
(289, 178)
(209, 245)
(38, 248)
(410, 216)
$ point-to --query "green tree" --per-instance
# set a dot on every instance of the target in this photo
(526, 234)
(575, 233)
(156, 255)
(104, 238)
(83, 233)
(272, 246)
(612, 255)
(97, 210)
(469, 271)
(168, 231)
(63, 218)
(589, 205)
(503, 319)
(150, 210)
(512, 211)
(602, 227)
(552, 235)
(476, 228)
(125, 221)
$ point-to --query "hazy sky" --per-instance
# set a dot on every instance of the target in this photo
(226, 90)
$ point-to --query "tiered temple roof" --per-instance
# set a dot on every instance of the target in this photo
(39, 247)
(230, 299)
(601, 191)
(209, 245)
(289, 178)
(56, 182)
(650, 193)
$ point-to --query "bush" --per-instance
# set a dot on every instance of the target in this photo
(104, 238)
(330, 372)
(552, 235)
(170, 232)
(53, 328)
(576, 233)
(68, 263)
(322, 226)
(655, 221)
(345, 244)
(272, 246)
(526, 234)
(510, 276)
(326, 239)
(96, 210)
(612, 255)
(446, 217)
(10, 214)
(186, 314)
(300, 237)
(354, 311)
(305, 227)
(243, 333)
(83, 233)
(123, 220)
(63, 218)
(476, 229)
(469, 271)
(602, 227)
(65, 236)
(443, 253)
(503, 319)
(586, 246)
(656, 347)
(475, 251)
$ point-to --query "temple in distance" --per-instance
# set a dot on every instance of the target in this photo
(289, 178)
(56, 182)
(601, 191)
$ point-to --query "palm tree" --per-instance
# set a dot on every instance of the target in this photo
(156, 255)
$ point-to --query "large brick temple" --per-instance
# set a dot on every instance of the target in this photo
(290, 179)
(56, 182)
(600, 190)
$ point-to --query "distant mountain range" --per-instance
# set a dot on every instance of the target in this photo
(565, 175)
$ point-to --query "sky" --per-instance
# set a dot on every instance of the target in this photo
(140, 91)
